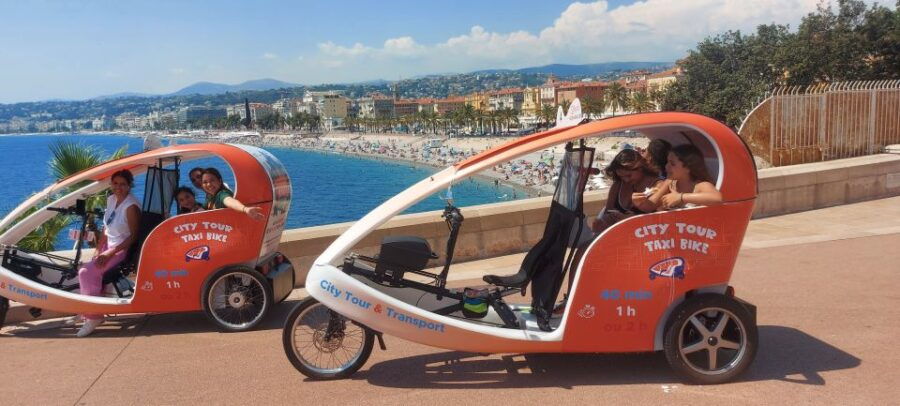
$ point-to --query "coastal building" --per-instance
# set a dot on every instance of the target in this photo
(285, 107)
(405, 107)
(531, 101)
(376, 105)
(194, 113)
(568, 92)
(307, 107)
(506, 99)
(449, 105)
(548, 91)
(318, 96)
(662, 80)
(256, 110)
(478, 100)
(636, 86)
(234, 110)
(426, 104)
(333, 110)
(126, 121)
(635, 76)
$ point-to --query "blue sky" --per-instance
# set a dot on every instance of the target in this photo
(82, 49)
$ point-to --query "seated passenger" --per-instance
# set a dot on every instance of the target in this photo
(631, 175)
(657, 154)
(122, 218)
(688, 183)
(187, 200)
(219, 197)
(196, 176)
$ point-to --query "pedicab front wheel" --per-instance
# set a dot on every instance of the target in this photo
(322, 344)
(711, 339)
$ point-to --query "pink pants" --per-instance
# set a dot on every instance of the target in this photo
(90, 278)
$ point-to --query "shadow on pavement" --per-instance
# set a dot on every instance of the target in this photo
(785, 354)
(144, 324)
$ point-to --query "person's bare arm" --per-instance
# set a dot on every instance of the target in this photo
(704, 194)
(643, 202)
(253, 211)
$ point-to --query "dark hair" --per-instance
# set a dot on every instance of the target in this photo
(628, 159)
(196, 169)
(124, 174)
(184, 189)
(214, 172)
(692, 159)
(659, 153)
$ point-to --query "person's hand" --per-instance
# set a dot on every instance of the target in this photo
(102, 258)
(673, 198)
(254, 212)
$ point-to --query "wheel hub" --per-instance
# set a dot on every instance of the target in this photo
(712, 341)
(327, 345)
(237, 300)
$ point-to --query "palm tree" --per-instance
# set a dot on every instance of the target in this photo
(509, 116)
(68, 159)
(640, 102)
(593, 106)
(468, 114)
(547, 114)
(616, 97)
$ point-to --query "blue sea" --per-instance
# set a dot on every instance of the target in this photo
(327, 188)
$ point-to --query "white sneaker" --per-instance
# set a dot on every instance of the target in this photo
(88, 327)
(72, 321)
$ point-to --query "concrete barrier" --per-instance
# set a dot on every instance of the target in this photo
(492, 230)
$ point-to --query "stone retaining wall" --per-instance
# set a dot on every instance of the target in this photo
(492, 230)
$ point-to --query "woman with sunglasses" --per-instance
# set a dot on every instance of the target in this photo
(122, 218)
(631, 174)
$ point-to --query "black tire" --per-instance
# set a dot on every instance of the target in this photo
(717, 354)
(310, 320)
(236, 299)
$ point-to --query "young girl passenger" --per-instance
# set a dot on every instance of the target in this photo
(187, 201)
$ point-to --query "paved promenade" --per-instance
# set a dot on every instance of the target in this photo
(826, 283)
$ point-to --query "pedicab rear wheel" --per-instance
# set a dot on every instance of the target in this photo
(322, 344)
(710, 339)
(236, 299)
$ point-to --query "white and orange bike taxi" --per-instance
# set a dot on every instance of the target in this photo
(657, 281)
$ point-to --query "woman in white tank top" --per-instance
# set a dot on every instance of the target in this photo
(122, 217)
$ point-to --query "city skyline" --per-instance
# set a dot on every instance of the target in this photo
(84, 50)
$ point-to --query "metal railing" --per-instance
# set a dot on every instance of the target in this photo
(801, 124)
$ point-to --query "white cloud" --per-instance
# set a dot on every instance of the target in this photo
(650, 30)
(269, 55)
(177, 71)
